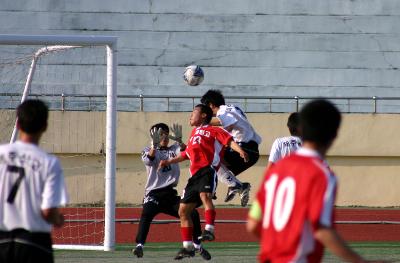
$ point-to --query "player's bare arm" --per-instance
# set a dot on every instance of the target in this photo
(234, 146)
(53, 216)
(177, 159)
(330, 238)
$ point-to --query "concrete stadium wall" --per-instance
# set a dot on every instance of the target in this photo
(261, 47)
(366, 156)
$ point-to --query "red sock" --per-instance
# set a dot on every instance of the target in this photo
(209, 216)
(187, 233)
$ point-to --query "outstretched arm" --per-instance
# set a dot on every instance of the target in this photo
(234, 146)
(177, 159)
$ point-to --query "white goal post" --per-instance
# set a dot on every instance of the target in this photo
(110, 44)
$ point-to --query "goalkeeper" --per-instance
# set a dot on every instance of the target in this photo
(160, 194)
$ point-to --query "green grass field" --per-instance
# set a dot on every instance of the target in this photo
(232, 252)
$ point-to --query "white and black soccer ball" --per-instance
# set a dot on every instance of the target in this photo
(193, 75)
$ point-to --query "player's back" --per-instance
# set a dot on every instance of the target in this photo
(296, 198)
(234, 120)
(283, 146)
(24, 191)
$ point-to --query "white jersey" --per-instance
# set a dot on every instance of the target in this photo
(166, 176)
(234, 120)
(283, 146)
(30, 180)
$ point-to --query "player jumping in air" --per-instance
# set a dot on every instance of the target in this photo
(32, 189)
(160, 195)
(234, 120)
(203, 150)
(293, 210)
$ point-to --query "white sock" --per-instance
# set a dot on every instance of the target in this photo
(188, 245)
(227, 177)
(197, 246)
(139, 245)
(209, 228)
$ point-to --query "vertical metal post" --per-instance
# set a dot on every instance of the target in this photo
(297, 103)
(141, 102)
(375, 103)
(62, 102)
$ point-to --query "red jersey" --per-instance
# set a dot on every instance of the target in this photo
(205, 146)
(296, 197)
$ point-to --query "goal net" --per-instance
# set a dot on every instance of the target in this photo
(76, 77)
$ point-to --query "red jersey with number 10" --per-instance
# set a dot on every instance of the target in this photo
(205, 146)
(296, 197)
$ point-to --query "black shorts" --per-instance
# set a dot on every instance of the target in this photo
(203, 181)
(22, 246)
(164, 197)
(235, 163)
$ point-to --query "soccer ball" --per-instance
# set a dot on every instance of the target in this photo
(193, 75)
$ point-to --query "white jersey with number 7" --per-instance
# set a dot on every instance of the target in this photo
(30, 180)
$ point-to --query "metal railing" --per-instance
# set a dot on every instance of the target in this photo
(169, 103)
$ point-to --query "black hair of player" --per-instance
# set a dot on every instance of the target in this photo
(214, 97)
(32, 116)
(293, 123)
(161, 125)
(207, 110)
(319, 122)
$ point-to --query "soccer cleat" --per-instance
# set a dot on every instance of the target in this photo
(138, 251)
(207, 236)
(184, 253)
(232, 191)
(245, 194)
(204, 253)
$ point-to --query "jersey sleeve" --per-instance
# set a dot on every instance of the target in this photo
(227, 119)
(322, 200)
(274, 154)
(55, 192)
(145, 157)
(223, 136)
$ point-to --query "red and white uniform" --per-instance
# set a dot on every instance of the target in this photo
(296, 197)
(205, 147)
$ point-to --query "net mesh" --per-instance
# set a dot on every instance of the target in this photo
(67, 79)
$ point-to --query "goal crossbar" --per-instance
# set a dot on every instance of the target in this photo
(110, 42)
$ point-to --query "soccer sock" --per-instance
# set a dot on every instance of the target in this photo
(186, 234)
(227, 177)
(209, 216)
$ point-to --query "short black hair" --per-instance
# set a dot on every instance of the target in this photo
(207, 110)
(161, 125)
(293, 123)
(319, 121)
(213, 96)
(32, 116)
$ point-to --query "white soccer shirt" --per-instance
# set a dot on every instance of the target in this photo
(166, 176)
(30, 180)
(234, 120)
(283, 146)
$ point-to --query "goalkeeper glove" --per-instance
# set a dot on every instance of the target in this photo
(155, 137)
(176, 133)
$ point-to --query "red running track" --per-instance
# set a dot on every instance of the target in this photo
(226, 232)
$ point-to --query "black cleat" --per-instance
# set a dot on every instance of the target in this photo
(138, 251)
(204, 253)
(232, 191)
(207, 236)
(184, 253)
(245, 194)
